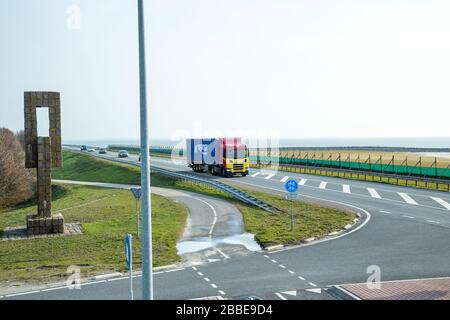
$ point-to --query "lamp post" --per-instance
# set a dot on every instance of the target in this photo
(147, 275)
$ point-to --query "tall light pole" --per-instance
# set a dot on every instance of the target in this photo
(147, 275)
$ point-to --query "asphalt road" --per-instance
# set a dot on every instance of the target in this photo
(406, 236)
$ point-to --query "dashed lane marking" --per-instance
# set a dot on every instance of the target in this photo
(302, 182)
(269, 176)
(222, 292)
(382, 211)
(407, 198)
(284, 179)
(323, 185)
(373, 193)
(301, 278)
(433, 221)
(274, 261)
(282, 267)
(213, 285)
(223, 254)
(346, 188)
(442, 202)
(256, 174)
(312, 284)
(409, 217)
(280, 296)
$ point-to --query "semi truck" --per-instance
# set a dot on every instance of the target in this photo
(218, 156)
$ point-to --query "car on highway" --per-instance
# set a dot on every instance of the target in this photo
(102, 151)
(83, 148)
(123, 154)
(91, 150)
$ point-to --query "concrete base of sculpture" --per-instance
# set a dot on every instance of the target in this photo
(37, 225)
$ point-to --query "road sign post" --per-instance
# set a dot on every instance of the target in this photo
(129, 260)
(137, 195)
(291, 187)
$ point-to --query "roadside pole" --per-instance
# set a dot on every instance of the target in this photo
(129, 260)
(137, 196)
(291, 187)
(147, 272)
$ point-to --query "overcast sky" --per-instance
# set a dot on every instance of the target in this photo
(298, 69)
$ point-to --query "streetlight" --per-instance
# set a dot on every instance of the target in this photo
(147, 275)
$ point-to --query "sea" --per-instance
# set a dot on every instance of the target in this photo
(417, 142)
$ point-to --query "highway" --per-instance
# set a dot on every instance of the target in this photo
(403, 231)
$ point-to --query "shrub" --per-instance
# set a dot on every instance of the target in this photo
(16, 182)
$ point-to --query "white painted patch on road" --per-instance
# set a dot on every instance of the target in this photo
(206, 279)
(373, 193)
(301, 278)
(312, 284)
(302, 182)
(409, 217)
(269, 176)
(323, 185)
(200, 274)
(290, 293)
(291, 272)
(433, 221)
(442, 202)
(284, 179)
(346, 188)
(274, 261)
(407, 198)
(256, 174)
(222, 293)
(282, 267)
(213, 285)
(318, 290)
(382, 211)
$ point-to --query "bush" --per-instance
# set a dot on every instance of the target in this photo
(16, 182)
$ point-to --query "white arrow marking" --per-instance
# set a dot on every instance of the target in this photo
(318, 290)
(291, 293)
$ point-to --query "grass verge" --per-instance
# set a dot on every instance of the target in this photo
(106, 216)
(309, 220)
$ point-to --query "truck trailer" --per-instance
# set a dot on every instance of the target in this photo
(218, 156)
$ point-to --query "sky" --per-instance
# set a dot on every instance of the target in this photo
(295, 69)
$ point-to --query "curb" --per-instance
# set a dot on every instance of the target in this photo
(274, 248)
(341, 294)
(108, 276)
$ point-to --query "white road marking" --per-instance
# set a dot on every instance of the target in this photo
(407, 198)
(284, 179)
(215, 215)
(382, 211)
(302, 182)
(194, 268)
(256, 174)
(266, 256)
(433, 221)
(291, 272)
(213, 285)
(409, 217)
(442, 202)
(269, 176)
(346, 188)
(222, 293)
(200, 274)
(280, 296)
(317, 290)
(223, 254)
(312, 284)
(323, 185)
(206, 279)
(301, 278)
(291, 293)
(21, 293)
(274, 261)
(373, 193)
(282, 267)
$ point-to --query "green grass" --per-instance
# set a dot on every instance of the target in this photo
(106, 216)
(82, 167)
(310, 220)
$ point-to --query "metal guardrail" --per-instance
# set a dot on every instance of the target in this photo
(234, 192)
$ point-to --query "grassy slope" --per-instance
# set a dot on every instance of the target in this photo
(310, 220)
(106, 216)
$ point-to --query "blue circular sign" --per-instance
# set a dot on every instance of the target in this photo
(291, 186)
